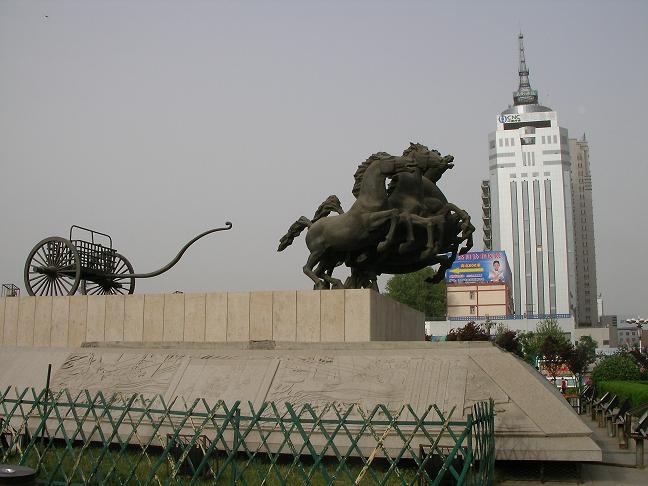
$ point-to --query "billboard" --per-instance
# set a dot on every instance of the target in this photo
(479, 267)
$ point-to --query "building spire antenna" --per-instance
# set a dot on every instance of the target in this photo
(524, 95)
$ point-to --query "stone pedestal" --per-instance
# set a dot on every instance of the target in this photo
(285, 316)
(316, 347)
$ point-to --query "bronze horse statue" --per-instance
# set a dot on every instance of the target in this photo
(369, 222)
(400, 229)
(433, 227)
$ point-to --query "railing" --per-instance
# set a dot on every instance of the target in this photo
(511, 317)
(10, 290)
(90, 438)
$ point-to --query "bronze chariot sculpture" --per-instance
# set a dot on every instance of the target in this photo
(58, 266)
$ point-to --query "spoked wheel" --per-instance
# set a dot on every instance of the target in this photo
(112, 285)
(53, 268)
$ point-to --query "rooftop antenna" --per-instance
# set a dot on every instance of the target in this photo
(524, 95)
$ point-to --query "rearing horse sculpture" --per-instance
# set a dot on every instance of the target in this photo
(407, 194)
(368, 223)
(401, 229)
(451, 224)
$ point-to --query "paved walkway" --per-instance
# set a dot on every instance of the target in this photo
(622, 473)
(610, 445)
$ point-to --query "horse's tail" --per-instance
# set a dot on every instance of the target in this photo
(332, 203)
(293, 232)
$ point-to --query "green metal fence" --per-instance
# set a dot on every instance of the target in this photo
(90, 438)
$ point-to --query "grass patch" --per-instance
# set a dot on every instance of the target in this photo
(133, 466)
(636, 391)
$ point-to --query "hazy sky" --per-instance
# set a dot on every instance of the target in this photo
(153, 121)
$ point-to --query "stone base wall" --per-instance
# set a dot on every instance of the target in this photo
(533, 420)
(293, 316)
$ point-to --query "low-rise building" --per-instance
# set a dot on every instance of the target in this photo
(485, 299)
(610, 323)
(630, 334)
(478, 285)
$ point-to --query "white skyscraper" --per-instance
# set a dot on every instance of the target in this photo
(530, 201)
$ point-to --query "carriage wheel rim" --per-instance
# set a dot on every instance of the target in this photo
(107, 287)
(60, 267)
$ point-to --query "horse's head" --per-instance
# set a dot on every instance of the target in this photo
(429, 162)
(391, 166)
(437, 167)
(382, 164)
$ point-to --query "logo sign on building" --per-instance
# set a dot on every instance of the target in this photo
(513, 118)
(479, 267)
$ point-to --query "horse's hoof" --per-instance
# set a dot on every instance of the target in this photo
(406, 247)
(382, 247)
(430, 252)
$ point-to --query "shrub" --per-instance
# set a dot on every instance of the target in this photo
(508, 340)
(636, 391)
(642, 361)
(470, 332)
(617, 367)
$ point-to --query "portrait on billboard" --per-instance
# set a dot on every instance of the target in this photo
(496, 273)
(479, 267)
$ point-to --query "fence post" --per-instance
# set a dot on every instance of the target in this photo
(47, 387)
(470, 425)
(236, 422)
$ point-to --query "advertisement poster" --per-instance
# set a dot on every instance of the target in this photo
(479, 267)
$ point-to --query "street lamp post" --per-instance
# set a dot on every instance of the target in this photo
(639, 322)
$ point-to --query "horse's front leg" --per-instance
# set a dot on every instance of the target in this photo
(432, 240)
(445, 263)
(464, 217)
(374, 221)
(407, 218)
(467, 228)
(469, 241)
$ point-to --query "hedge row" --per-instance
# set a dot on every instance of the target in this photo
(636, 391)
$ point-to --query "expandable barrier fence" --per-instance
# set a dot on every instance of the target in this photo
(90, 438)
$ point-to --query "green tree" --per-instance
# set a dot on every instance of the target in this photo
(579, 357)
(529, 346)
(549, 327)
(531, 341)
(508, 340)
(588, 347)
(553, 351)
(412, 289)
